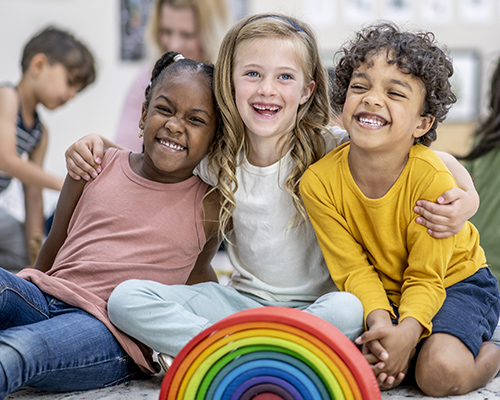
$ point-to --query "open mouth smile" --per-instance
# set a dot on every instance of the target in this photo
(172, 145)
(371, 120)
(268, 111)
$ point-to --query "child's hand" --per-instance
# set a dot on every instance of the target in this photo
(446, 218)
(84, 156)
(388, 350)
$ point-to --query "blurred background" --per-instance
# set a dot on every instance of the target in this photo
(113, 30)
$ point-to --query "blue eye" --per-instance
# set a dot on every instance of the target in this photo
(253, 74)
(286, 76)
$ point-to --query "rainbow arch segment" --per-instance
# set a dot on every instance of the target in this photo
(270, 347)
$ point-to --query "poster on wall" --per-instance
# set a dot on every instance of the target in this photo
(437, 12)
(134, 15)
(465, 85)
(476, 12)
(399, 11)
(133, 21)
(357, 12)
(320, 13)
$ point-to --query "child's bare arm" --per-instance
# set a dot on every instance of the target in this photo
(33, 204)
(70, 195)
(203, 270)
(11, 163)
(454, 207)
(83, 158)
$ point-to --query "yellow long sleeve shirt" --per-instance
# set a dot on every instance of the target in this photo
(375, 249)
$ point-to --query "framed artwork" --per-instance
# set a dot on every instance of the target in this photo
(465, 83)
(399, 10)
(134, 15)
(476, 12)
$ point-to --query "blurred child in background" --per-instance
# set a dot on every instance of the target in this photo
(55, 67)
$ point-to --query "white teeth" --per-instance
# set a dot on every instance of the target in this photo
(171, 145)
(371, 121)
(266, 108)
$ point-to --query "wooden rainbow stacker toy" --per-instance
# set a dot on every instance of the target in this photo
(270, 353)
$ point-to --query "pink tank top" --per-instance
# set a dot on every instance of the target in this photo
(125, 227)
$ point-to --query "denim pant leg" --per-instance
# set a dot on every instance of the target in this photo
(341, 309)
(47, 344)
(21, 302)
(167, 317)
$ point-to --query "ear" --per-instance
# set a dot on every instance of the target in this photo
(37, 63)
(426, 122)
(307, 92)
(144, 115)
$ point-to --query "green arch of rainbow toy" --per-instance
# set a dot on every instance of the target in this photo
(270, 353)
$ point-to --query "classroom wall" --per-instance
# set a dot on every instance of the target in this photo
(96, 22)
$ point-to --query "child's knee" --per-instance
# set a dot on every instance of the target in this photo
(123, 296)
(343, 310)
(440, 374)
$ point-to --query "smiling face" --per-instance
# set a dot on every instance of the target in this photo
(179, 127)
(269, 87)
(383, 107)
(179, 32)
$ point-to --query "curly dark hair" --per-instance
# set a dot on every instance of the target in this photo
(414, 53)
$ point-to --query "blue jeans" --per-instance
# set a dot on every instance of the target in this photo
(48, 344)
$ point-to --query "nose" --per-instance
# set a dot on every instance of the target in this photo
(373, 98)
(267, 87)
(176, 43)
(174, 125)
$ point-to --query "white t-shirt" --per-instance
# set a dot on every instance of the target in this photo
(272, 258)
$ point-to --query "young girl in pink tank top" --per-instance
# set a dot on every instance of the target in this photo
(145, 217)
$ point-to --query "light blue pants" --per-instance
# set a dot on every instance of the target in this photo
(166, 317)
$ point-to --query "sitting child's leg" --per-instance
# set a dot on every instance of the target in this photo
(341, 309)
(457, 357)
(445, 366)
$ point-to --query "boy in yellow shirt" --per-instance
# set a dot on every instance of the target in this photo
(431, 303)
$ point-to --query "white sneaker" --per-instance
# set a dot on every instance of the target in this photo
(165, 361)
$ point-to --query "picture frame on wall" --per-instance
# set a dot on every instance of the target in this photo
(134, 15)
(466, 85)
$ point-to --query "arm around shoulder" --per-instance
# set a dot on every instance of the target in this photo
(454, 207)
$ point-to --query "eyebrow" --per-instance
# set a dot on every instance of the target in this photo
(280, 67)
(393, 81)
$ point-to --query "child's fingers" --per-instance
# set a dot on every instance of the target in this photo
(378, 350)
(74, 166)
(391, 382)
(451, 196)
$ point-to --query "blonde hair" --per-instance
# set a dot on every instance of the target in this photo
(306, 141)
(212, 17)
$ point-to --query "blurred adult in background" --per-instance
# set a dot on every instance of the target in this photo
(193, 28)
(483, 162)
